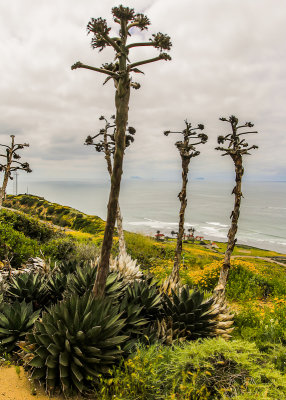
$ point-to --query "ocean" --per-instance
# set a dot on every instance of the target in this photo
(148, 206)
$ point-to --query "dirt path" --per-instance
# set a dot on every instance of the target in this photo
(261, 258)
(16, 386)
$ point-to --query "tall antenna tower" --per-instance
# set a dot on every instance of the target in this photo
(16, 183)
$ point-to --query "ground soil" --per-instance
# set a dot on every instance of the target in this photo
(16, 386)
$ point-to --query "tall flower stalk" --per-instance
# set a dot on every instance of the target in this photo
(187, 151)
(120, 72)
(236, 147)
(105, 142)
(11, 164)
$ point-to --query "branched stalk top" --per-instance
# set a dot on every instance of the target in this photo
(236, 144)
(127, 19)
(191, 138)
(106, 141)
(11, 157)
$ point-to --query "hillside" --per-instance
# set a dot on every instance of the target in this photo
(59, 215)
(257, 274)
(207, 369)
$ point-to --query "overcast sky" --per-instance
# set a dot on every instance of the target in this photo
(228, 57)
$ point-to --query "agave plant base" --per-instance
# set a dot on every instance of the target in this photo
(78, 339)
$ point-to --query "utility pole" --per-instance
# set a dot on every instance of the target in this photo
(16, 182)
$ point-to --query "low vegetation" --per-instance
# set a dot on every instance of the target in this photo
(210, 369)
(63, 216)
(138, 357)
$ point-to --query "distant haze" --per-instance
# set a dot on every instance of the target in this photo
(228, 57)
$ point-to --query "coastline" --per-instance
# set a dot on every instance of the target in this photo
(148, 206)
(251, 243)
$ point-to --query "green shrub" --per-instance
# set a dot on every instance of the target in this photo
(16, 245)
(145, 249)
(276, 353)
(60, 249)
(203, 370)
(245, 285)
(261, 326)
(29, 226)
(87, 251)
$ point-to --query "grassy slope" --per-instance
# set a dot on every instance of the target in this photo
(251, 278)
(258, 278)
(57, 214)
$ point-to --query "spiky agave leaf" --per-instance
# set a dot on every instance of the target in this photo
(68, 267)
(188, 315)
(141, 306)
(83, 279)
(56, 285)
(144, 293)
(77, 338)
(30, 287)
(15, 321)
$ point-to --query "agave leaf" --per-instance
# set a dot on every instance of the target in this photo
(45, 340)
(77, 351)
(53, 349)
(51, 362)
(94, 332)
(42, 352)
(65, 382)
(9, 339)
(91, 360)
(50, 384)
(76, 372)
(37, 362)
(114, 341)
(38, 373)
(52, 373)
(109, 358)
(112, 320)
(58, 340)
(50, 329)
(5, 331)
(64, 371)
(79, 385)
(77, 362)
(80, 336)
(3, 320)
(64, 359)
(92, 372)
(92, 350)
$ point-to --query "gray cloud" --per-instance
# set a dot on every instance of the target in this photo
(228, 58)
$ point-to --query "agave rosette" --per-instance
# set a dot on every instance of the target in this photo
(188, 315)
(30, 287)
(15, 321)
(76, 339)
